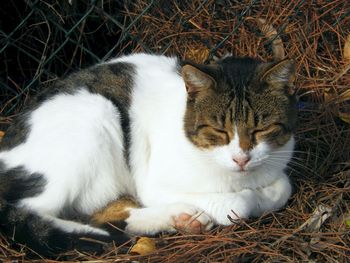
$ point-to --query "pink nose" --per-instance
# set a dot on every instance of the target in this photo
(241, 160)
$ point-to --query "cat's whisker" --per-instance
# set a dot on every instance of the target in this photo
(286, 154)
(286, 158)
(288, 151)
(294, 161)
(293, 151)
(299, 152)
(276, 163)
(291, 160)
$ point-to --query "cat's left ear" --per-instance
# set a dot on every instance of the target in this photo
(196, 80)
(281, 73)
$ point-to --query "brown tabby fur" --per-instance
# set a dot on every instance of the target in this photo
(257, 100)
(115, 211)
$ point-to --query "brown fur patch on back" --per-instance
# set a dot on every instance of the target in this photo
(115, 211)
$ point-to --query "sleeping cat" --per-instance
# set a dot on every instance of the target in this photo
(195, 145)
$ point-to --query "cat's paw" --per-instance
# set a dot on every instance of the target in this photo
(194, 224)
(233, 210)
(168, 218)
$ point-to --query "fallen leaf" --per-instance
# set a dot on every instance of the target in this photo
(330, 96)
(143, 246)
(344, 96)
(313, 224)
(347, 222)
(197, 54)
(344, 117)
(318, 217)
(346, 54)
(271, 34)
(347, 48)
(1, 135)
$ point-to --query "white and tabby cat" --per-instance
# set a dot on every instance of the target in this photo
(191, 143)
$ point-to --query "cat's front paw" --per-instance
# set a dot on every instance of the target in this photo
(169, 218)
(194, 224)
(232, 211)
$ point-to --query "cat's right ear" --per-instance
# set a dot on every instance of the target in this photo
(196, 80)
(282, 74)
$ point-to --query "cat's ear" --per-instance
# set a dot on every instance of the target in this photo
(196, 80)
(281, 73)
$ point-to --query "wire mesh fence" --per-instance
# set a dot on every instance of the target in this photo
(42, 40)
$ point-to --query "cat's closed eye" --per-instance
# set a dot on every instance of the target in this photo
(267, 129)
(270, 132)
(212, 134)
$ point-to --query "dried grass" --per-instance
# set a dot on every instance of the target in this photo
(313, 33)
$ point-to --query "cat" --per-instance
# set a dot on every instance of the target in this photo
(196, 145)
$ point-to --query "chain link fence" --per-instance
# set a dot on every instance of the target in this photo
(41, 40)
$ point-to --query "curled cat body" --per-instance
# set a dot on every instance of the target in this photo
(208, 143)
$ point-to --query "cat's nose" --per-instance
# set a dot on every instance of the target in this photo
(241, 160)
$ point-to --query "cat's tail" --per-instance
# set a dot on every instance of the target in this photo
(45, 235)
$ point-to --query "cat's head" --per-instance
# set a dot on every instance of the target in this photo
(241, 112)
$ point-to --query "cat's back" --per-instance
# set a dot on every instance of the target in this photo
(157, 82)
(153, 73)
(149, 62)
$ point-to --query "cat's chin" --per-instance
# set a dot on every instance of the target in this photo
(242, 173)
(237, 172)
(245, 172)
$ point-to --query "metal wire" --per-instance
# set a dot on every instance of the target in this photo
(44, 39)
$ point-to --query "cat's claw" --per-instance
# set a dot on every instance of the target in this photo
(194, 224)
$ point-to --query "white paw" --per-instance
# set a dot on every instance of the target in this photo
(167, 218)
(189, 218)
(232, 212)
(193, 223)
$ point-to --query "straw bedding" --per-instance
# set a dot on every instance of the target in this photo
(42, 40)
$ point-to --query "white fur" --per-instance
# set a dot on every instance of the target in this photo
(70, 226)
(76, 142)
(155, 219)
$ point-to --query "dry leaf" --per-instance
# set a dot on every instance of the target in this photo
(344, 117)
(330, 96)
(346, 53)
(143, 246)
(347, 222)
(1, 135)
(318, 217)
(344, 96)
(198, 54)
(271, 33)
(347, 49)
